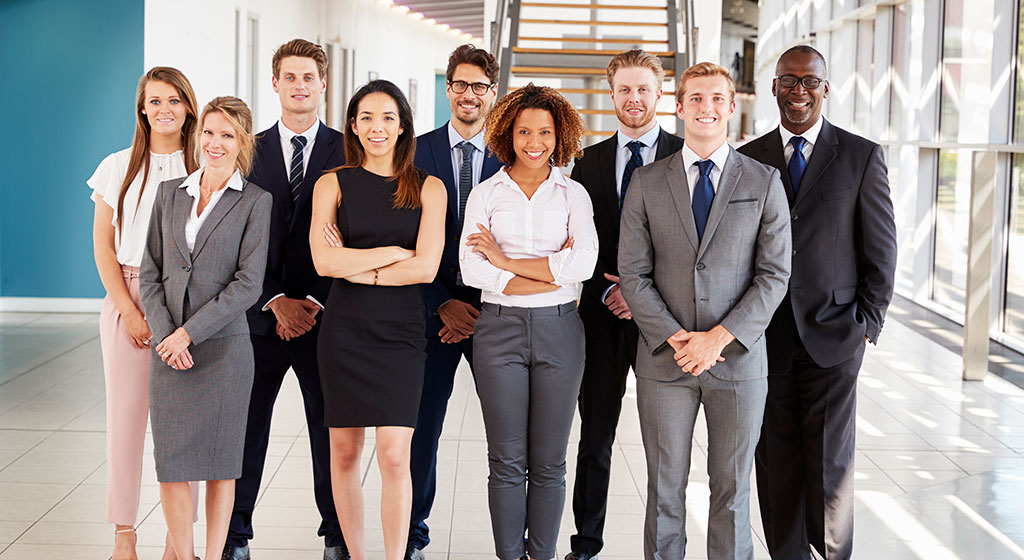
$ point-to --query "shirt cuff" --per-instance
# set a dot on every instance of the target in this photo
(503, 279)
(267, 306)
(604, 296)
(555, 263)
(442, 305)
(313, 299)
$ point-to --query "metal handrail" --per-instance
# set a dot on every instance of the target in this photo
(498, 27)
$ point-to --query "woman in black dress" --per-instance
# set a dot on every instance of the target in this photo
(378, 229)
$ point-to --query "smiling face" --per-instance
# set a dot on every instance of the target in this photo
(468, 107)
(533, 138)
(164, 109)
(377, 124)
(705, 109)
(299, 85)
(799, 107)
(635, 94)
(218, 142)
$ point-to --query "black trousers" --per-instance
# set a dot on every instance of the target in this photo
(805, 458)
(611, 350)
(273, 358)
(439, 378)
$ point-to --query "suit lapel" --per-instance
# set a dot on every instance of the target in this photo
(668, 144)
(224, 205)
(824, 153)
(774, 156)
(680, 190)
(322, 148)
(491, 165)
(441, 151)
(723, 194)
(179, 215)
(606, 171)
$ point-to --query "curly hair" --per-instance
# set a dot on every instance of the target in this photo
(569, 127)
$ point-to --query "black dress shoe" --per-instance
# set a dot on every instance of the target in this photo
(235, 553)
(580, 556)
(336, 553)
(413, 553)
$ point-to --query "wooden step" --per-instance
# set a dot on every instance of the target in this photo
(546, 70)
(591, 22)
(591, 6)
(612, 112)
(599, 133)
(589, 91)
(638, 41)
(609, 52)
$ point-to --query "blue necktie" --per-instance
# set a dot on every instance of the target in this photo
(465, 178)
(703, 195)
(797, 163)
(635, 161)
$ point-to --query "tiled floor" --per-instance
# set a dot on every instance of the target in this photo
(940, 463)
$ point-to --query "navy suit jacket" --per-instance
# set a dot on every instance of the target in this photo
(290, 268)
(434, 155)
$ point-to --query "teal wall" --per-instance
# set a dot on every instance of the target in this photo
(70, 71)
(442, 112)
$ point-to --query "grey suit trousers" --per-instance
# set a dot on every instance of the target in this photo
(668, 411)
(528, 364)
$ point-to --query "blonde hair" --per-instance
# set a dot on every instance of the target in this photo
(701, 70)
(237, 113)
(636, 58)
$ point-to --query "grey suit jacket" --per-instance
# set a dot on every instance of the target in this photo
(222, 276)
(736, 276)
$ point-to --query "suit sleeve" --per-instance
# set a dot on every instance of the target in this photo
(876, 245)
(636, 270)
(151, 286)
(597, 284)
(244, 290)
(749, 318)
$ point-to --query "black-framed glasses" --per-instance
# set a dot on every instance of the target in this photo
(459, 86)
(809, 82)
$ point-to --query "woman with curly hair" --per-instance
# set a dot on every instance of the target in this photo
(530, 243)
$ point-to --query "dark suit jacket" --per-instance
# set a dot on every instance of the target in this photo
(844, 247)
(595, 170)
(434, 155)
(289, 262)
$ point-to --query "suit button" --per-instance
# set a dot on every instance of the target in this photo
(795, 217)
(187, 268)
(794, 251)
(700, 266)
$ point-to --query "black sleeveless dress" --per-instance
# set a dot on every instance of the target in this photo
(371, 346)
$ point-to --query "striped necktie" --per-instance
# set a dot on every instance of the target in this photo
(295, 170)
(465, 178)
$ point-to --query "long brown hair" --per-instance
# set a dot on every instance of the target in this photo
(238, 114)
(139, 158)
(407, 195)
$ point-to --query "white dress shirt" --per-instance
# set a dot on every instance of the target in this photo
(454, 139)
(811, 137)
(191, 186)
(690, 158)
(649, 140)
(130, 239)
(531, 228)
(286, 144)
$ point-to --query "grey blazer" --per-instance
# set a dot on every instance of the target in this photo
(222, 276)
(735, 277)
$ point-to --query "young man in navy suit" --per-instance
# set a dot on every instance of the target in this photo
(634, 80)
(290, 156)
(456, 154)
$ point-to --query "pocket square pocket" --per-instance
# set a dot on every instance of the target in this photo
(742, 200)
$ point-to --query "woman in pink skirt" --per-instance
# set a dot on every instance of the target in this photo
(124, 188)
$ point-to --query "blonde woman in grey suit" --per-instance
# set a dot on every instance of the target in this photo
(205, 257)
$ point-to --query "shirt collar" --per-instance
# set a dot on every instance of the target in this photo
(554, 176)
(647, 139)
(310, 133)
(719, 156)
(811, 135)
(191, 183)
(454, 138)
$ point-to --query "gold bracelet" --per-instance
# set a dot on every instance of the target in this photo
(376, 273)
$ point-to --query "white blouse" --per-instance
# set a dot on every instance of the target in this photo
(130, 240)
(194, 221)
(531, 228)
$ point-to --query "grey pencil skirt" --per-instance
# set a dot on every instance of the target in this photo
(198, 416)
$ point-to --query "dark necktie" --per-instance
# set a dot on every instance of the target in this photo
(632, 164)
(703, 195)
(295, 170)
(797, 163)
(465, 178)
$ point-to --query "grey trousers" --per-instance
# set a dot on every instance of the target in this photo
(529, 365)
(668, 411)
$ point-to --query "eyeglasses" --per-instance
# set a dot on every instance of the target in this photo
(479, 88)
(809, 82)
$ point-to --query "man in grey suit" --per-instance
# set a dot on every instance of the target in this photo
(704, 257)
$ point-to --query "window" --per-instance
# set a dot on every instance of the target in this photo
(952, 210)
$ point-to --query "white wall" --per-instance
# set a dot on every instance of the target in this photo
(199, 38)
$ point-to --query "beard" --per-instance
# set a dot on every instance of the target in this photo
(795, 116)
(640, 121)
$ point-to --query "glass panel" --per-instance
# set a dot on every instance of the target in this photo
(967, 42)
(952, 210)
(952, 73)
(1013, 322)
(1018, 112)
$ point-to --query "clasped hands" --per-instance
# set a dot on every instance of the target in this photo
(173, 350)
(697, 351)
(295, 317)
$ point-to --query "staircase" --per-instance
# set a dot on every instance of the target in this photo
(567, 45)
